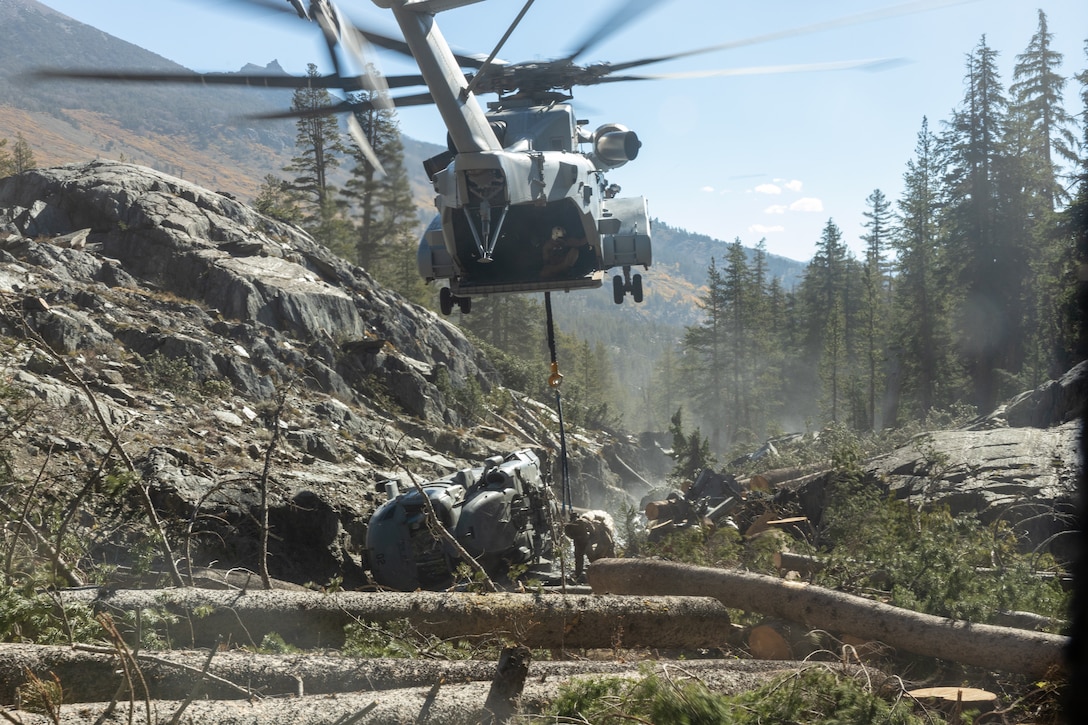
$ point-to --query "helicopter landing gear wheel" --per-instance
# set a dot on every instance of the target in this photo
(618, 289)
(445, 301)
(636, 288)
(465, 303)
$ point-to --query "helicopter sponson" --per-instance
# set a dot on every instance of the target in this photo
(500, 514)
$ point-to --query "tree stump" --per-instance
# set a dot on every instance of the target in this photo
(505, 694)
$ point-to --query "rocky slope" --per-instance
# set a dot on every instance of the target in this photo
(189, 319)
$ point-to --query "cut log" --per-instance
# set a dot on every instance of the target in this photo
(993, 648)
(955, 699)
(800, 563)
(315, 619)
(787, 475)
(776, 639)
(768, 641)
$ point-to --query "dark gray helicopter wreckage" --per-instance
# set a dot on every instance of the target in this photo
(522, 206)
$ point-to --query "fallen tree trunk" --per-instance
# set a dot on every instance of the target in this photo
(994, 648)
(445, 703)
(94, 676)
(315, 619)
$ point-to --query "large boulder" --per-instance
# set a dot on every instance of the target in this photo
(138, 227)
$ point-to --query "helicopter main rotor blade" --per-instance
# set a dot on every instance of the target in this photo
(624, 14)
(420, 99)
(223, 79)
(358, 135)
(917, 6)
(873, 64)
(482, 72)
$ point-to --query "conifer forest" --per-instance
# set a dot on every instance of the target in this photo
(967, 292)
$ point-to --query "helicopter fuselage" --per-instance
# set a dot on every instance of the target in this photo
(537, 215)
(520, 208)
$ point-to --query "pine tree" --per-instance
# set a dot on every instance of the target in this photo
(918, 312)
(1039, 141)
(1071, 306)
(382, 205)
(992, 263)
(22, 156)
(825, 302)
(690, 451)
(1036, 93)
(765, 353)
(320, 144)
(275, 198)
(878, 229)
(7, 165)
(704, 360)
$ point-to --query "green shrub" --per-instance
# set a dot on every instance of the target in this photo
(697, 545)
(815, 695)
(930, 561)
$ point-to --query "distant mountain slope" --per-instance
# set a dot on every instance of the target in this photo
(190, 131)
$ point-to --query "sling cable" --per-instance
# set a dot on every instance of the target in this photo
(554, 381)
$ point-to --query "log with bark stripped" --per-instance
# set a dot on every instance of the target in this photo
(981, 645)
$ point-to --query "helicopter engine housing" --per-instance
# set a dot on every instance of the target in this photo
(614, 145)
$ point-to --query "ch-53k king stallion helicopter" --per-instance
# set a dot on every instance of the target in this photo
(522, 201)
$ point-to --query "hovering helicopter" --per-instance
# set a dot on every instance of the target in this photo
(523, 204)
(522, 200)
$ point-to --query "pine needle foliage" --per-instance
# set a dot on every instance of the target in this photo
(813, 696)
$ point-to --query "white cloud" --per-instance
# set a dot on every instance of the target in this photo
(807, 203)
(793, 185)
(708, 189)
(776, 209)
(768, 189)
(764, 229)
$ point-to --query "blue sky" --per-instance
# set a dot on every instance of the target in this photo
(769, 156)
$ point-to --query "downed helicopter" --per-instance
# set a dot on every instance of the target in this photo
(500, 514)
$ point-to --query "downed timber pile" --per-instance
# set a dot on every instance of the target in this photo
(539, 620)
(994, 648)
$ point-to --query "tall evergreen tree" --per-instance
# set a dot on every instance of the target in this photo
(383, 209)
(320, 145)
(22, 156)
(690, 451)
(704, 360)
(824, 301)
(1072, 306)
(878, 222)
(276, 198)
(739, 292)
(7, 166)
(1039, 142)
(992, 264)
(1036, 93)
(919, 313)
